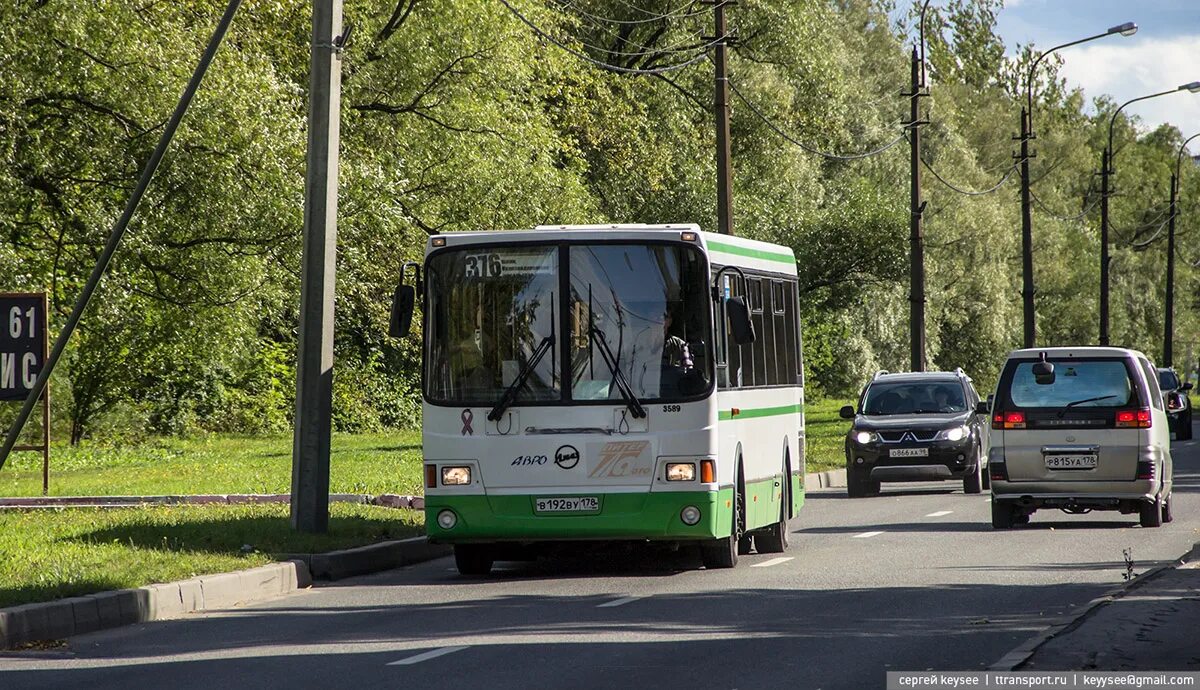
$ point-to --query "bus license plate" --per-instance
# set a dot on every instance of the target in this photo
(909, 452)
(567, 504)
(1073, 461)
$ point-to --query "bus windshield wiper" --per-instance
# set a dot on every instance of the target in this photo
(610, 360)
(510, 393)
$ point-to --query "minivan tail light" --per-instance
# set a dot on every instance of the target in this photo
(1008, 420)
(1134, 419)
(998, 471)
(1145, 470)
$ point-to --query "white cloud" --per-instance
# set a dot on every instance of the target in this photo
(1140, 69)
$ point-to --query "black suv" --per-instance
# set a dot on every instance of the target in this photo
(1179, 407)
(916, 427)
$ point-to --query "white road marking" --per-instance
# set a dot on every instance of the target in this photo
(940, 513)
(426, 656)
(774, 561)
(617, 602)
(865, 535)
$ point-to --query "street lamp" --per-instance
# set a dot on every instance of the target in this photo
(1169, 320)
(1126, 29)
(1106, 170)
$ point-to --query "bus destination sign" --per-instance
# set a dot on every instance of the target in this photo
(22, 342)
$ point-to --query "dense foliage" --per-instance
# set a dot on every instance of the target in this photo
(456, 116)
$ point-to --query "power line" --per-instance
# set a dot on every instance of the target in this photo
(806, 147)
(682, 12)
(968, 192)
(1046, 208)
(605, 65)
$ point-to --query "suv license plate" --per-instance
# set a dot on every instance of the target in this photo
(1071, 462)
(909, 453)
(567, 504)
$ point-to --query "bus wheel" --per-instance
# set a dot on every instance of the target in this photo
(775, 538)
(723, 553)
(472, 559)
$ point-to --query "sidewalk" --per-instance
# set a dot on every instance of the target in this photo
(1151, 625)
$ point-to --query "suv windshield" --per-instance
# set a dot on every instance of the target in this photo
(914, 397)
(1167, 380)
(1077, 383)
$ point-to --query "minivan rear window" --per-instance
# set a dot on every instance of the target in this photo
(1077, 383)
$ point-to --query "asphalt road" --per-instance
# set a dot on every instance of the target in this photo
(915, 579)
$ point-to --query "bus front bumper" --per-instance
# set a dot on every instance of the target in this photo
(655, 516)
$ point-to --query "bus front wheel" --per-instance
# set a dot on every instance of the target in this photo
(473, 559)
(723, 553)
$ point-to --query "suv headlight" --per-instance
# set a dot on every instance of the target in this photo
(865, 437)
(956, 433)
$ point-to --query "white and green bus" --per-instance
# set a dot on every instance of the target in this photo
(624, 382)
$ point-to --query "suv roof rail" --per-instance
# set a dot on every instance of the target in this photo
(958, 371)
(879, 373)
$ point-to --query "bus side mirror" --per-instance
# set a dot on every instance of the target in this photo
(740, 325)
(404, 301)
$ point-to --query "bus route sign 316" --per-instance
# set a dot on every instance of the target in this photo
(22, 342)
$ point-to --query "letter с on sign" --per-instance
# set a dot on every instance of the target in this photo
(22, 343)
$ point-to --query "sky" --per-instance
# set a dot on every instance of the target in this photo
(1163, 54)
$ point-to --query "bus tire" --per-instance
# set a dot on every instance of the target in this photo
(774, 539)
(473, 560)
(723, 553)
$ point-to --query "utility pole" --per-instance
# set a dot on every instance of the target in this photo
(1105, 171)
(1169, 320)
(721, 114)
(1026, 230)
(916, 294)
(314, 359)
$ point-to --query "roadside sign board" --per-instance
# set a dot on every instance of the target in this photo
(22, 342)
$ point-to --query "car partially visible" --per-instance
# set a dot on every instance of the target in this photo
(1179, 406)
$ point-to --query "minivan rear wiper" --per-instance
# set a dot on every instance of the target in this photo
(1073, 403)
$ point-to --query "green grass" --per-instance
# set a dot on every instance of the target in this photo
(826, 435)
(365, 464)
(49, 554)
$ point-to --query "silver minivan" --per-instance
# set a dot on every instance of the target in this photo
(1079, 429)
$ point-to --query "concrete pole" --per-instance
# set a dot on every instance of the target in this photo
(314, 358)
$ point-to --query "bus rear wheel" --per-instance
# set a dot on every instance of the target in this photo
(774, 539)
(473, 559)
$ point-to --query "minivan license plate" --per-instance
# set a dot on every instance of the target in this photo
(1071, 462)
(909, 452)
(567, 504)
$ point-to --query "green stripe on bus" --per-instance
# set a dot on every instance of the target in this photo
(752, 253)
(747, 413)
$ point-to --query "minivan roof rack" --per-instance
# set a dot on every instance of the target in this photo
(881, 372)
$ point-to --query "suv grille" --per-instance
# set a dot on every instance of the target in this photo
(898, 436)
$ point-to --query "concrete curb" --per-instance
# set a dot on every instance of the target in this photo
(336, 565)
(41, 502)
(54, 620)
(824, 480)
(1017, 657)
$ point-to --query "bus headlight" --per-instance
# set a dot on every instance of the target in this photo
(690, 515)
(447, 519)
(681, 471)
(456, 476)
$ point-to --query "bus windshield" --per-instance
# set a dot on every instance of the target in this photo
(640, 312)
(636, 319)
